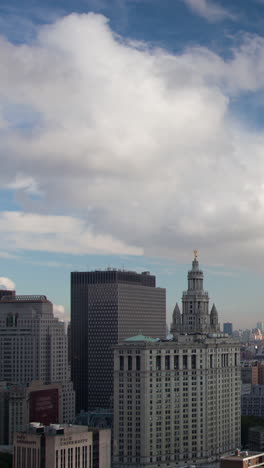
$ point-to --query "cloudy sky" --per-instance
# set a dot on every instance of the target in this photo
(132, 132)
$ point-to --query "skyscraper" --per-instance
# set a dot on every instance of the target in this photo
(228, 328)
(178, 401)
(107, 306)
(33, 346)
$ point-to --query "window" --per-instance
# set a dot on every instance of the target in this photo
(167, 362)
(185, 361)
(121, 363)
(138, 363)
(193, 362)
(158, 362)
(129, 363)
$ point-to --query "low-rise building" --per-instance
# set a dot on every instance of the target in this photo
(242, 460)
(64, 446)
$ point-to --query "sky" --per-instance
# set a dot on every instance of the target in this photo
(132, 133)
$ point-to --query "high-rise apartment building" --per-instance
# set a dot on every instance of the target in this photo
(108, 306)
(177, 401)
(33, 346)
(228, 328)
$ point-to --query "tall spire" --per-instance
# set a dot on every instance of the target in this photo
(195, 317)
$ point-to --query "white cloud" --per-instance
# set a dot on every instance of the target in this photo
(209, 10)
(56, 234)
(60, 313)
(7, 283)
(137, 147)
(8, 255)
(25, 183)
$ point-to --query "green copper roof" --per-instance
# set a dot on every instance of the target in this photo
(140, 337)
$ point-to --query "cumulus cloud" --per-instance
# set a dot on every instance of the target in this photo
(209, 10)
(137, 148)
(60, 313)
(7, 283)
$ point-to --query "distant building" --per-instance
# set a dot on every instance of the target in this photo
(242, 460)
(6, 292)
(100, 417)
(261, 373)
(228, 328)
(252, 404)
(260, 326)
(246, 336)
(20, 404)
(256, 438)
(108, 306)
(58, 446)
(250, 372)
(177, 401)
(33, 347)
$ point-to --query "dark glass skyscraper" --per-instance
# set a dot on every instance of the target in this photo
(106, 307)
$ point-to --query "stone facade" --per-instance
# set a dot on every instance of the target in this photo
(33, 347)
(177, 402)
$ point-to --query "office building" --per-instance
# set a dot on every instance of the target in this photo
(228, 328)
(256, 438)
(252, 404)
(250, 372)
(260, 326)
(20, 404)
(107, 306)
(177, 401)
(33, 346)
(6, 292)
(62, 446)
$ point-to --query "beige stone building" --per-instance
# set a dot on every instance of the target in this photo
(177, 402)
(62, 446)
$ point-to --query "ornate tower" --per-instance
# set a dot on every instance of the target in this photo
(195, 317)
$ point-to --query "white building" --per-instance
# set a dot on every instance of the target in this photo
(33, 346)
(62, 446)
(177, 402)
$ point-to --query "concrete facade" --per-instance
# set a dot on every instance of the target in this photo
(177, 402)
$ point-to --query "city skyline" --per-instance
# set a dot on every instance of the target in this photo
(131, 134)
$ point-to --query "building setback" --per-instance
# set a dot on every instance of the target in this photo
(108, 306)
(177, 402)
(33, 347)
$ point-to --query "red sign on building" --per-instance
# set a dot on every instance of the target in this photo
(44, 406)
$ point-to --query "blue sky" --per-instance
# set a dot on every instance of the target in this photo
(131, 133)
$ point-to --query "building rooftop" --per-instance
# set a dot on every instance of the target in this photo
(140, 337)
(257, 428)
(245, 455)
(26, 298)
